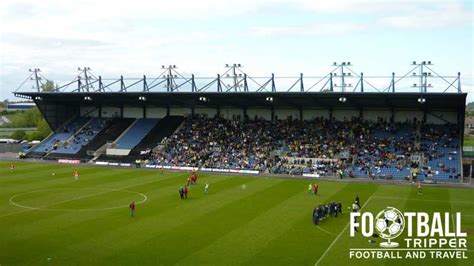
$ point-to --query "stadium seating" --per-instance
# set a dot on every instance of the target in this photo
(56, 139)
(136, 133)
(320, 146)
(81, 138)
(164, 128)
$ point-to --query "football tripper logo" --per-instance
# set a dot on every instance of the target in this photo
(389, 223)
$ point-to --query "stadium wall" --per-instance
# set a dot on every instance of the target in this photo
(180, 111)
(310, 114)
(440, 117)
(374, 114)
(285, 113)
(399, 115)
(228, 113)
(110, 111)
(210, 112)
(133, 112)
(89, 111)
(156, 112)
(264, 113)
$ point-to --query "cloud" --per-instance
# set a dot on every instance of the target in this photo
(322, 29)
(446, 15)
(134, 37)
(46, 43)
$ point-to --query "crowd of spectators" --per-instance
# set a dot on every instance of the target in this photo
(81, 137)
(322, 146)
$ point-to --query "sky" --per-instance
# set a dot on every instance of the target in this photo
(284, 37)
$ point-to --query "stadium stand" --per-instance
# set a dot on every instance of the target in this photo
(164, 128)
(54, 141)
(109, 134)
(326, 147)
(82, 137)
(136, 133)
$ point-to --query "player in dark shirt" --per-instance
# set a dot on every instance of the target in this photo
(132, 209)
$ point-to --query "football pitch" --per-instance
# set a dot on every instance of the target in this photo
(48, 218)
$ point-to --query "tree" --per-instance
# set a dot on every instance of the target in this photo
(48, 86)
(18, 135)
(43, 129)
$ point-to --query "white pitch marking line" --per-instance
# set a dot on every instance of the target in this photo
(327, 232)
(45, 207)
(18, 212)
(381, 197)
(338, 236)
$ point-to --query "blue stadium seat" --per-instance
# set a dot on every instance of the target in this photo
(83, 137)
(136, 133)
(59, 137)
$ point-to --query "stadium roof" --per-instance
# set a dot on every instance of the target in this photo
(324, 100)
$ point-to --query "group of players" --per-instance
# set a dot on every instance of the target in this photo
(323, 211)
(313, 188)
(333, 209)
(192, 180)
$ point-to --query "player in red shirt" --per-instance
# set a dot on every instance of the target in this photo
(194, 178)
(76, 174)
(132, 209)
(315, 188)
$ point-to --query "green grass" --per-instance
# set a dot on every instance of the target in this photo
(6, 133)
(269, 223)
(468, 140)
